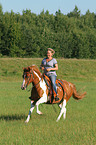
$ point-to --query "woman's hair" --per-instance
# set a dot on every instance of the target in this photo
(50, 49)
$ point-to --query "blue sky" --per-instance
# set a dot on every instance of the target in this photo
(36, 6)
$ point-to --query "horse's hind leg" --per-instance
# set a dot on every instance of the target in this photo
(63, 110)
(30, 111)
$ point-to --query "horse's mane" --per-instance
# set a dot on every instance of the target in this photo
(32, 67)
(36, 69)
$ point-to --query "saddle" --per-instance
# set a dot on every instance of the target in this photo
(51, 92)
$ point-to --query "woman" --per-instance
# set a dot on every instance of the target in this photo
(49, 65)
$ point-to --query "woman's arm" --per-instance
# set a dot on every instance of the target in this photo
(41, 67)
(54, 68)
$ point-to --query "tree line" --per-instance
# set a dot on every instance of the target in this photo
(29, 35)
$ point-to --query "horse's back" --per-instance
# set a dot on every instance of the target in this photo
(68, 89)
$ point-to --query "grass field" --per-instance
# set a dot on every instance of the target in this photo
(79, 128)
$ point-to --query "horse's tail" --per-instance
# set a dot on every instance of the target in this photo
(76, 95)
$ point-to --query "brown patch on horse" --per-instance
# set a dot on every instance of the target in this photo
(34, 95)
(68, 90)
(36, 69)
(37, 87)
(39, 90)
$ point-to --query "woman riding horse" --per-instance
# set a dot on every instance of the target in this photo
(39, 92)
(49, 65)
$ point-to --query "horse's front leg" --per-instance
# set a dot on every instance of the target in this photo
(43, 99)
(30, 111)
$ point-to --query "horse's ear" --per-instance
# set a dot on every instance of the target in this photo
(23, 68)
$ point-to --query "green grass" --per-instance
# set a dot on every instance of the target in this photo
(79, 127)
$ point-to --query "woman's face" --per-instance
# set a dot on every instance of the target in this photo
(49, 54)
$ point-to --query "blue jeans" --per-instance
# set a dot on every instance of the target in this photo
(53, 80)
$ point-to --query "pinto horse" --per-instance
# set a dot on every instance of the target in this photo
(40, 91)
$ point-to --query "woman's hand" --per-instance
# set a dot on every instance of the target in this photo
(48, 69)
(41, 67)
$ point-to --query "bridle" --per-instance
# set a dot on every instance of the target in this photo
(29, 77)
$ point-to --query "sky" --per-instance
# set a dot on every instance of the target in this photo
(37, 6)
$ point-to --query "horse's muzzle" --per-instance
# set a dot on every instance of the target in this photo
(23, 88)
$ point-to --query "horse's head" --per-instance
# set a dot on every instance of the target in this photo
(27, 77)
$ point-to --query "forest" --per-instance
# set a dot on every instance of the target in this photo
(29, 35)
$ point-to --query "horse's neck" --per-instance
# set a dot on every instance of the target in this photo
(37, 77)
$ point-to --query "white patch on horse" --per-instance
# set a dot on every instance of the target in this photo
(43, 99)
(23, 83)
(37, 75)
(42, 83)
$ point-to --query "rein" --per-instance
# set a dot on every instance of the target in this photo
(33, 79)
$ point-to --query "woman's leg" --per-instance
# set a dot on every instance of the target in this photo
(53, 81)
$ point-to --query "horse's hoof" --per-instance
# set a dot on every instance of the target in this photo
(57, 120)
(26, 121)
(39, 112)
(60, 105)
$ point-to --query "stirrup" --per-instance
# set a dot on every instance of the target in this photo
(56, 98)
